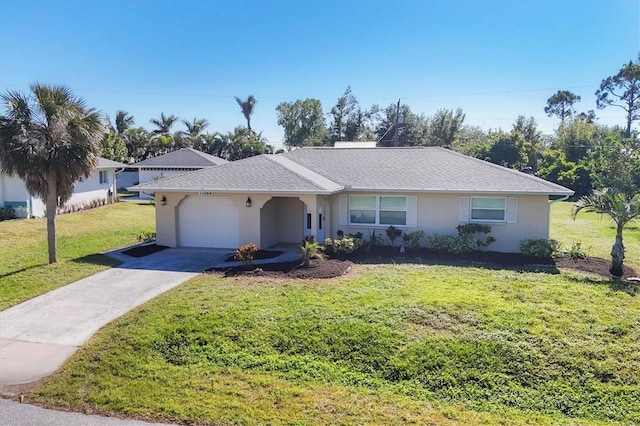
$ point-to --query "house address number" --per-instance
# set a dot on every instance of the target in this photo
(205, 193)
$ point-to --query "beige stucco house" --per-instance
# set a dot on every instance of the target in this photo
(270, 199)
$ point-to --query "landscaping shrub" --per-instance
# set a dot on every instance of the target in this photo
(342, 246)
(310, 250)
(466, 241)
(574, 252)
(7, 213)
(412, 239)
(451, 244)
(539, 247)
(246, 253)
(393, 233)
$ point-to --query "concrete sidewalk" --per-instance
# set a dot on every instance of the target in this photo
(37, 336)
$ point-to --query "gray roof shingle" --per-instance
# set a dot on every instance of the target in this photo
(423, 169)
(182, 158)
(330, 170)
(254, 174)
(105, 163)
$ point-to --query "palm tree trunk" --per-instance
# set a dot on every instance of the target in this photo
(617, 255)
(52, 204)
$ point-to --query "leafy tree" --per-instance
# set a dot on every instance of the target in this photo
(114, 148)
(533, 145)
(348, 119)
(576, 139)
(163, 124)
(470, 140)
(615, 163)
(444, 126)
(247, 107)
(303, 123)
(214, 144)
(561, 105)
(623, 91)
(413, 129)
(506, 149)
(139, 146)
(50, 139)
(244, 143)
(554, 167)
(621, 208)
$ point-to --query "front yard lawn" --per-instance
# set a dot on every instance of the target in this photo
(388, 344)
(82, 236)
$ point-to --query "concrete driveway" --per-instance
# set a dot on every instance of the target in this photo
(37, 336)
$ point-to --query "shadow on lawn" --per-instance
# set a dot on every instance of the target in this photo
(93, 259)
(631, 288)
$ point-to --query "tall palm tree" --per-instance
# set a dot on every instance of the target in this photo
(49, 139)
(195, 128)
(621, 208)
(163, 124)
(247, 108)
(124, 122)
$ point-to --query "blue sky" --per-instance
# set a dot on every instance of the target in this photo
(494, 59)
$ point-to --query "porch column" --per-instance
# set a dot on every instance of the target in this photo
(312, 208)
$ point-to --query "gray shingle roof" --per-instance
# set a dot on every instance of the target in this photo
(105, 163)
(182, 158)
(254, 174)
(429, 169)
(330, 170)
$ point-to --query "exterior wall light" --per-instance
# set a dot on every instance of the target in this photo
(248, 202)
(163, 201)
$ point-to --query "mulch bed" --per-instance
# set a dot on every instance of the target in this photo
(334, 267)
(142, 251)
(259, 255)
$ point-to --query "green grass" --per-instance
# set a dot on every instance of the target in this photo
(596, 233)
(82, 236)
(407, 344)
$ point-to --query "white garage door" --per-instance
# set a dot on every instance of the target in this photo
(208, 222)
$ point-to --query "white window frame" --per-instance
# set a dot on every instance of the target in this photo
(103, 176)
(504, 210)
(378, 209)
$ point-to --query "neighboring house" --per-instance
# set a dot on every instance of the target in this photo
(174, 163)
(99, 188)
(271, 199)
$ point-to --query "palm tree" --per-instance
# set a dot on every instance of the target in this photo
(247, 108)
(195, 128)
(49, 139)
(621, 208)
(124, 122)
(163, 124)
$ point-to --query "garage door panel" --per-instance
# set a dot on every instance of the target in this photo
(208, 222)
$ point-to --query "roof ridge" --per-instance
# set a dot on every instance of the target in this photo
(305, 173)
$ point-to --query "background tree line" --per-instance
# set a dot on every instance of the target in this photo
(580, 154)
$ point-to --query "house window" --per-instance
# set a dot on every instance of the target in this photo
(377, 210)
(103, 176)
(485, 209)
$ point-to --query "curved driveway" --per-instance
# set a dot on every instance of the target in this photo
(37, 336)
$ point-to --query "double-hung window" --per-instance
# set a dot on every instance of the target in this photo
(488, 209)
(104, 178)
(377, 210)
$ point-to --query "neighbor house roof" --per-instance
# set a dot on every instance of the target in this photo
(330, 170)
(182, 158)
(105, 163)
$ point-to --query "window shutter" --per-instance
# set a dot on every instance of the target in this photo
(412, 211)
(463, 211)
(343, 206)
(512, 210)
